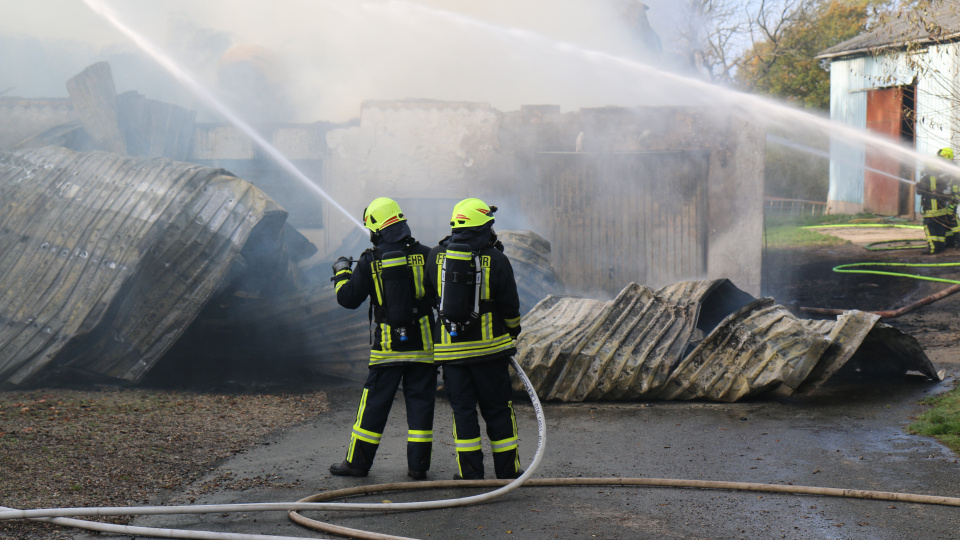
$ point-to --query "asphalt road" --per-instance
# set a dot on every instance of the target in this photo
(849, 436)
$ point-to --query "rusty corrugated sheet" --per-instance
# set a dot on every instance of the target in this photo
(758, 348)
(859, 342)
(105, 259)
(584, 350)
(644, 345)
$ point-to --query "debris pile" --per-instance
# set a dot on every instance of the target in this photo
(699, 340)
(106, 259)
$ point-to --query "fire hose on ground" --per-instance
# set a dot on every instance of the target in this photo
(856, 268)
(59, 516)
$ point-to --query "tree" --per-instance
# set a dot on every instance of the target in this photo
(708, 35)
(782, 62)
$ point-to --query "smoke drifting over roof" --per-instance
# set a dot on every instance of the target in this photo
(293, 60)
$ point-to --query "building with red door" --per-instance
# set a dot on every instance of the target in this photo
(899, 81)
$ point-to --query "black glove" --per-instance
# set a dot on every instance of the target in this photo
(341, 271)
(514, 332)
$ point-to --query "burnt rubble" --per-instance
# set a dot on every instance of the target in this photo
(700, 340)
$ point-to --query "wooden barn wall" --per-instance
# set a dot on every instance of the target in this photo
(616, 218)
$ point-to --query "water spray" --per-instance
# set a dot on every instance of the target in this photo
(101, 9)
(713, 95)
(820, 153)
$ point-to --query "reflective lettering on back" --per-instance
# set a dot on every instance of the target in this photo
(415, 260)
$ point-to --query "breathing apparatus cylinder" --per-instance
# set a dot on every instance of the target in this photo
(460, 292)
(398, 297)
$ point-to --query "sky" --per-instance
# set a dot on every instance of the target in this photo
(319, 60)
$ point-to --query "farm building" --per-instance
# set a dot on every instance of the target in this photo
(649, 195)
(900, 81)
(612, 195)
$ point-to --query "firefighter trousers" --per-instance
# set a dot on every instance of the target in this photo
(486, 384)
(938, 231)
(419, 393)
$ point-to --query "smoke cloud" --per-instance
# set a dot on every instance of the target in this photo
(303, 61)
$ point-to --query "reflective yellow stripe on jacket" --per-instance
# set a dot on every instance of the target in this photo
(445, 350)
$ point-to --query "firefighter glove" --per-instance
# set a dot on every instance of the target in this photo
(341, 272)
(514, 332)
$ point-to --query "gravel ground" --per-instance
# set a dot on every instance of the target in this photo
(117, 447)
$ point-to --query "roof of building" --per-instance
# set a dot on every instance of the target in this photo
(935, 25)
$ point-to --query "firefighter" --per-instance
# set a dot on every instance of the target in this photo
(475, 350)
(938, 204)
(392, 275)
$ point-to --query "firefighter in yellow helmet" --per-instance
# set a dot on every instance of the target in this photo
(479, 320)
(391, 274)
(939, 194)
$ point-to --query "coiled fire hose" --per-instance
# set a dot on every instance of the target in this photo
(58, 515)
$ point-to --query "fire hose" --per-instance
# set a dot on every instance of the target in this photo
(58, 516)
(856, 268)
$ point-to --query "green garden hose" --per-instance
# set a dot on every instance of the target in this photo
(847, 269)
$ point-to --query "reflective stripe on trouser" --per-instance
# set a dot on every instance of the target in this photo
(419, 389)
(487, 385)
(936, 231)
(953, 231)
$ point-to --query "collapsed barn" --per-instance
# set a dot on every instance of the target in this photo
(155, 247)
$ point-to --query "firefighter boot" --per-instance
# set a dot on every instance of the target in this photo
(418, 459)
(345, 468)
(470, 464)
(507, 464)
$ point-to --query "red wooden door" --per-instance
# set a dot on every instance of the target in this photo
(881, 193)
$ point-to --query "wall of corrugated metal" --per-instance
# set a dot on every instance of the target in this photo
(934, 70)
(937, 97)
(615, 218)
(848, 104)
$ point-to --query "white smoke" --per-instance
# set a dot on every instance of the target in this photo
(321, 60)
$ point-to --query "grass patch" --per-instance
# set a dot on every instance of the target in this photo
(942, 420)
(789, 231)
(784, 236)
(832, 219)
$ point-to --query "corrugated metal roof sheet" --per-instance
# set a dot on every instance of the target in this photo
(932, 25)
(637, 346)
(105, 259)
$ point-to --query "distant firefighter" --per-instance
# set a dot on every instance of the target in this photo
(939, 194)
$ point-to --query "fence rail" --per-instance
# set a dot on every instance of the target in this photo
(776, 206)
